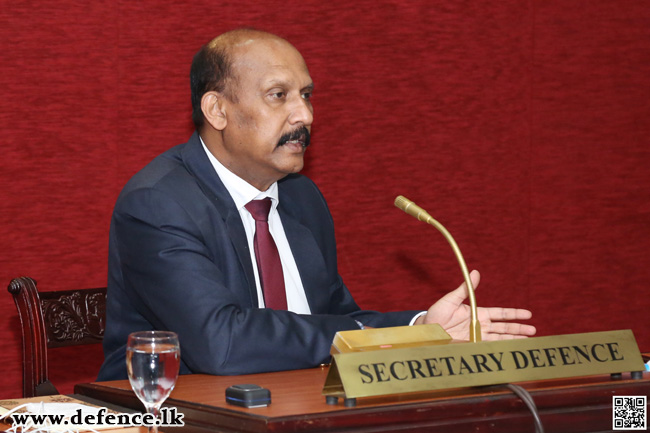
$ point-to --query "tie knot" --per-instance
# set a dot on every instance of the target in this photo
(259, 209)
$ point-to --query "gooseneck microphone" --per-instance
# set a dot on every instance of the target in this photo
(417, 212)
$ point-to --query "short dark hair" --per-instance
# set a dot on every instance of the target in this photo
(210, 72)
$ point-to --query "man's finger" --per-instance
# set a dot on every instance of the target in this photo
(504, 314)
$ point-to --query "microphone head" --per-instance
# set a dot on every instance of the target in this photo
(412, 209)
(402, 202)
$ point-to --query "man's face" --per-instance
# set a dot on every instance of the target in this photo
(270, 116)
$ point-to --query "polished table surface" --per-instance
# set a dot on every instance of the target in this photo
(567, 405)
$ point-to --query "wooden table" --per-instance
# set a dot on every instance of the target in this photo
(568, 405)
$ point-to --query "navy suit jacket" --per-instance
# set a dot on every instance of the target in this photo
(179, 261)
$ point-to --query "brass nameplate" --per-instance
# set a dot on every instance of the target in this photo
(457, 365)
(361, 340)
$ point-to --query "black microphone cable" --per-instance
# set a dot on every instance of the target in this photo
(528, 401)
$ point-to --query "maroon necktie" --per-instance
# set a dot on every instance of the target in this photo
(268, 259)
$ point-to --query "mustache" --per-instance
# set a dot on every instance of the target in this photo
(300, 134)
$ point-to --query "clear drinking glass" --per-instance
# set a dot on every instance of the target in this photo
(152, 362)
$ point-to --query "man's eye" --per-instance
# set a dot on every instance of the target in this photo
(278, 95)
(306, 95)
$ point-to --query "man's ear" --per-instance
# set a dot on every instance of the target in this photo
(214, 110)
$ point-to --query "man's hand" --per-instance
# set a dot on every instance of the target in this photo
(454, 316)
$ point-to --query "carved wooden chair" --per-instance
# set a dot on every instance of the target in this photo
(54, 319)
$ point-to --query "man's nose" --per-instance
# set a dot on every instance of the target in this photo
(301, 112)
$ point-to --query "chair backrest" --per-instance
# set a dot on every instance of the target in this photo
(54, 319)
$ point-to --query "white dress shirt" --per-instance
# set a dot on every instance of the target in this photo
(242, 192)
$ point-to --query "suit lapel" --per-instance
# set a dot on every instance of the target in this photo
(307, 254)
(199, 165)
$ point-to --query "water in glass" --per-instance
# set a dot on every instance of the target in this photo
(152, 361)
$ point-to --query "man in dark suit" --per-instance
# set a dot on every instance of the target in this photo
(186, 247)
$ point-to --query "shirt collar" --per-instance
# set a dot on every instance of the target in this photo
(241, 191)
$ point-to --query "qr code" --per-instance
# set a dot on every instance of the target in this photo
(630, 412)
